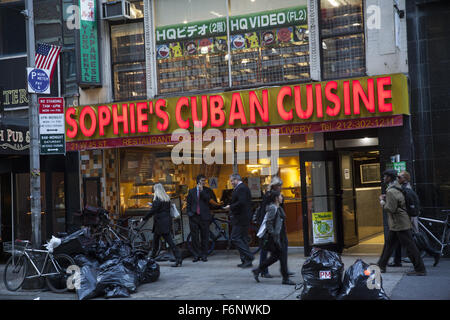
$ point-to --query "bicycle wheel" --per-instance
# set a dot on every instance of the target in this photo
(58, 282)
(15, 273)
(141, 240)
(211, 245)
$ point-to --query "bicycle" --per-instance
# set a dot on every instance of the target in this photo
(445, 238)
(216, 234)
(101, 228)
(139, 237)
(54, 267)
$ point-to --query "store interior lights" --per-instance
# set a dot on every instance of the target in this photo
(334, 3)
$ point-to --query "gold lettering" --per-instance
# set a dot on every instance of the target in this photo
(6, 94)
(15, 96)
(23, 97)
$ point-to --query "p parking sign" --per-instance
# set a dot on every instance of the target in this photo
(38, 81)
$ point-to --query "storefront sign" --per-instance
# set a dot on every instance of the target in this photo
(242, 23)
(315, 107)
(397, 166)
(254, 184)
(13, 88)
(88, 48)
(51, 125)
(213, 182)
(295, 129)
(14, 139)
(323, 227)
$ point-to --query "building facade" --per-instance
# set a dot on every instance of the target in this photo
(428, 63)
(56, 170)
(333, 77)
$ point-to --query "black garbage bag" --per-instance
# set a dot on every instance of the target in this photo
(114, 273)
(72, 244)
(362, 283)
(116, 292)
(100, 251)
(82, 260)
(88, 283)
(147, 270)
(322, 275)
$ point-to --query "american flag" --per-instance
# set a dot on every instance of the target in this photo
(46, 57)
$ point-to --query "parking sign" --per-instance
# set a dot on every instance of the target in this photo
(38, 81)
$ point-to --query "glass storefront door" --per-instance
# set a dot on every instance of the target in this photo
(348, 199)
(321, 201)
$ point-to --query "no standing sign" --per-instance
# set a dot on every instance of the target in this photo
(51, 125)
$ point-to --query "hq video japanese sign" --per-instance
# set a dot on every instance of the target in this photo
(88, 47)
(247, 31)
(347, 104)
(52, 125)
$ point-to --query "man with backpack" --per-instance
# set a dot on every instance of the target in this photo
(399, 226)
(413, 208)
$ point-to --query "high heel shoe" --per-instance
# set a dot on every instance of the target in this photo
(178, 263)
(256, 274)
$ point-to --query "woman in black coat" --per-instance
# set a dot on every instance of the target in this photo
(162, 222)
(274, 237)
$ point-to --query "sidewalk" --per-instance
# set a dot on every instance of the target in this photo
(220, 279)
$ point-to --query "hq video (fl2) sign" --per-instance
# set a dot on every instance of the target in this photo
(320, 102)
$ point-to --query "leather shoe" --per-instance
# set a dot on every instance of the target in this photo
(204, 259)
(266, 275)
(196, 259)
(288, 282)
(246, 264)
(394, 264)
(256, 274)
(437, 257)
(178, 263)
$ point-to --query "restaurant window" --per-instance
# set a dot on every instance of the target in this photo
(128, 57)
(191, 45)
(268, 44)
(276, 49)
(12, 29)
(342, 37)
(140, 169)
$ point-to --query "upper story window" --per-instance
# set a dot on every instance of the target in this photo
(12, 29)
(128, 56)
(342, 37)
(268, 43)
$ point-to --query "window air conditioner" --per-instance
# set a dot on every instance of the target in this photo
(116, 10)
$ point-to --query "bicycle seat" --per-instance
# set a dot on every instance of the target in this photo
(23, 241)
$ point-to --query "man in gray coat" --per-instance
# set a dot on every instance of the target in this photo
(399, 226)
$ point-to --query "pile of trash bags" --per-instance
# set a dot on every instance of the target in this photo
(109, 270)
(323, 279)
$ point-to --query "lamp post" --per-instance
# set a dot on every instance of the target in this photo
(33, 117)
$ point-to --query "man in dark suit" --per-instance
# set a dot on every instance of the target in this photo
(199, 218)
(240, 210)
